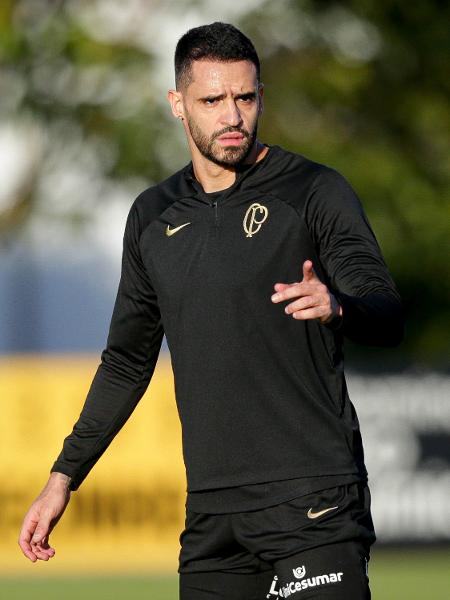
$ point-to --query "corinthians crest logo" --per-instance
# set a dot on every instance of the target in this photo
(254, 217)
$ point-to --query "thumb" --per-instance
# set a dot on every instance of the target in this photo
(308, 271)
(42, 529)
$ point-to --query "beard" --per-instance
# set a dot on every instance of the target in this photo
(224, 156)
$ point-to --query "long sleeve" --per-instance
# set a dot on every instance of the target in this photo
(355, 268)
(127, 364)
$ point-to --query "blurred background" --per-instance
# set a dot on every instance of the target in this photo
(361, 86)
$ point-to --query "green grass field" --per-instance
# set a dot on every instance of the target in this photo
(394, 575)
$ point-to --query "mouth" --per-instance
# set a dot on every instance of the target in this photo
(231, 139)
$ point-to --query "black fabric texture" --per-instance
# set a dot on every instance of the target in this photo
(248, 541)
(347, 561)
(261, 396)
(261, 495)
(225, 586)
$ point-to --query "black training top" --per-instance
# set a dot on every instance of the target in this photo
(261, 396)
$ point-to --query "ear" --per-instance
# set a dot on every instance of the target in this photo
(261, 98)
(175, 99)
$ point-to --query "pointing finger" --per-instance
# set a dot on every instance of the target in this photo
(299, 290)
(279, 287)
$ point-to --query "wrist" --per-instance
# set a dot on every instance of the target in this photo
(336, 318)
(57, 479)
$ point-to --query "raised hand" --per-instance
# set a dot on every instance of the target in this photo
(313, 300)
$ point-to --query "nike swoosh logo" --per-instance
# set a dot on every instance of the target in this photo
(314, 515)
(175, 229)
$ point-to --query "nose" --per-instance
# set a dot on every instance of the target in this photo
(231, 115)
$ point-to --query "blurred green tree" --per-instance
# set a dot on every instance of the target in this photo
(80, 94)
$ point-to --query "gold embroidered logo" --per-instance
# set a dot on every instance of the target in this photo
(175, 229)
(313, 515)
(254, 217)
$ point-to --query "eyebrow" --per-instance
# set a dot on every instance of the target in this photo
(222, 96)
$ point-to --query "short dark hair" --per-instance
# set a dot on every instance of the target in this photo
(217, 41)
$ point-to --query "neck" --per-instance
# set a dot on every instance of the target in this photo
(214, 178)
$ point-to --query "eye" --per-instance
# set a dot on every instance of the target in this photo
(247, 98)
(210, 101)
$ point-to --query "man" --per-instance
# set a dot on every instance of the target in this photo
(255, 262)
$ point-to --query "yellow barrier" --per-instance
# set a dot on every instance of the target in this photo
(129, 512)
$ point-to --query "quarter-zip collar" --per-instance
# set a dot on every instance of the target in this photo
(242, 173)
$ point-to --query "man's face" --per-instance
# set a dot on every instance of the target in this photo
(221, 106)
